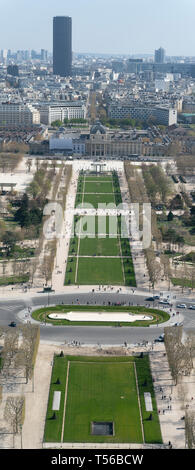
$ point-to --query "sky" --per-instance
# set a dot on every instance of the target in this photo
(102, 26)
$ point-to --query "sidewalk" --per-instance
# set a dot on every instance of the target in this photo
(172, 407)
(63, 243)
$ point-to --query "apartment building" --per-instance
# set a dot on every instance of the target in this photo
(21, 115)
(59, 111)
(162, 115)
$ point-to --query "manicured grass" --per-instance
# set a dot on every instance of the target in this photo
(129, 272)
(97, 178)
(42, 314)
(145, 384)
(93, 242)
(53, 427)
(96, 225)
(94, 394)
(73, 247)
(99, 187)
(183, 282)
(100, 271)
(101, 389)
(96, 199)
(70, 270)
(99, 246)
(10, 280)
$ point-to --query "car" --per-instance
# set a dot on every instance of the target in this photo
(13, 324)
(156, 297)
(160, 339)
(181, 306)
(150, 299)
(192, 307)
(164, 302)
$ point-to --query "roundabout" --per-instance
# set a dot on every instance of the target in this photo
(97, 315)
(37, 307)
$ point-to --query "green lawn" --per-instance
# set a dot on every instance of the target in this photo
(99, 236)
(101, 389)
(42, 314)
(96, 199)
(70, 270)
(94, 394)
(96, 178)
(183, 282)
(129, 272)
(99, 247)
(96, 225)
(152, 433)
(99, 187)
(10, 280)
(53, 428)
(100, 271)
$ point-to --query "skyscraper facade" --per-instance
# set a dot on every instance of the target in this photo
(62, 46)
(159, 56)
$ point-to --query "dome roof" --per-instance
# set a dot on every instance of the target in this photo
(97, 128)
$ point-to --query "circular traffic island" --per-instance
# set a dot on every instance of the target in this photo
(90, 315)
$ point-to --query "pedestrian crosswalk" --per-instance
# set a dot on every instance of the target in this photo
(11, 308)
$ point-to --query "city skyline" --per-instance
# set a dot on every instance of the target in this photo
(102, 27)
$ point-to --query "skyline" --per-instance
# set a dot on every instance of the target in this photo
(99, 27)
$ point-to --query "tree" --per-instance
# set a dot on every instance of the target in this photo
(165, 263)
(32, 269)
(10, 349)
(29, 164)
(178, 354)
(14, 412)
(22, 214)
(153, 266)
(57, 123)
(9, 240)
(190, 429)
(26, 356)
(46, 268)
(170, 216)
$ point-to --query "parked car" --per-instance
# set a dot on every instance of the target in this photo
(13, 323)
(192, 307)
(181, 306)
(160, 339)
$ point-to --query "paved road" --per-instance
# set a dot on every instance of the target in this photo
(10, 311)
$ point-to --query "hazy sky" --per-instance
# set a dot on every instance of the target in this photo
(107, 26)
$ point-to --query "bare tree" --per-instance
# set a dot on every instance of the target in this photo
(165, 263)
(14, 412)
(190, 430)
(32, 269)
(178, 354)
(10, 349)
(29, 164)
(154, 268)
(26, 356)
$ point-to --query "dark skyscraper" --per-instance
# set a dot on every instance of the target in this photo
(62, 46)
